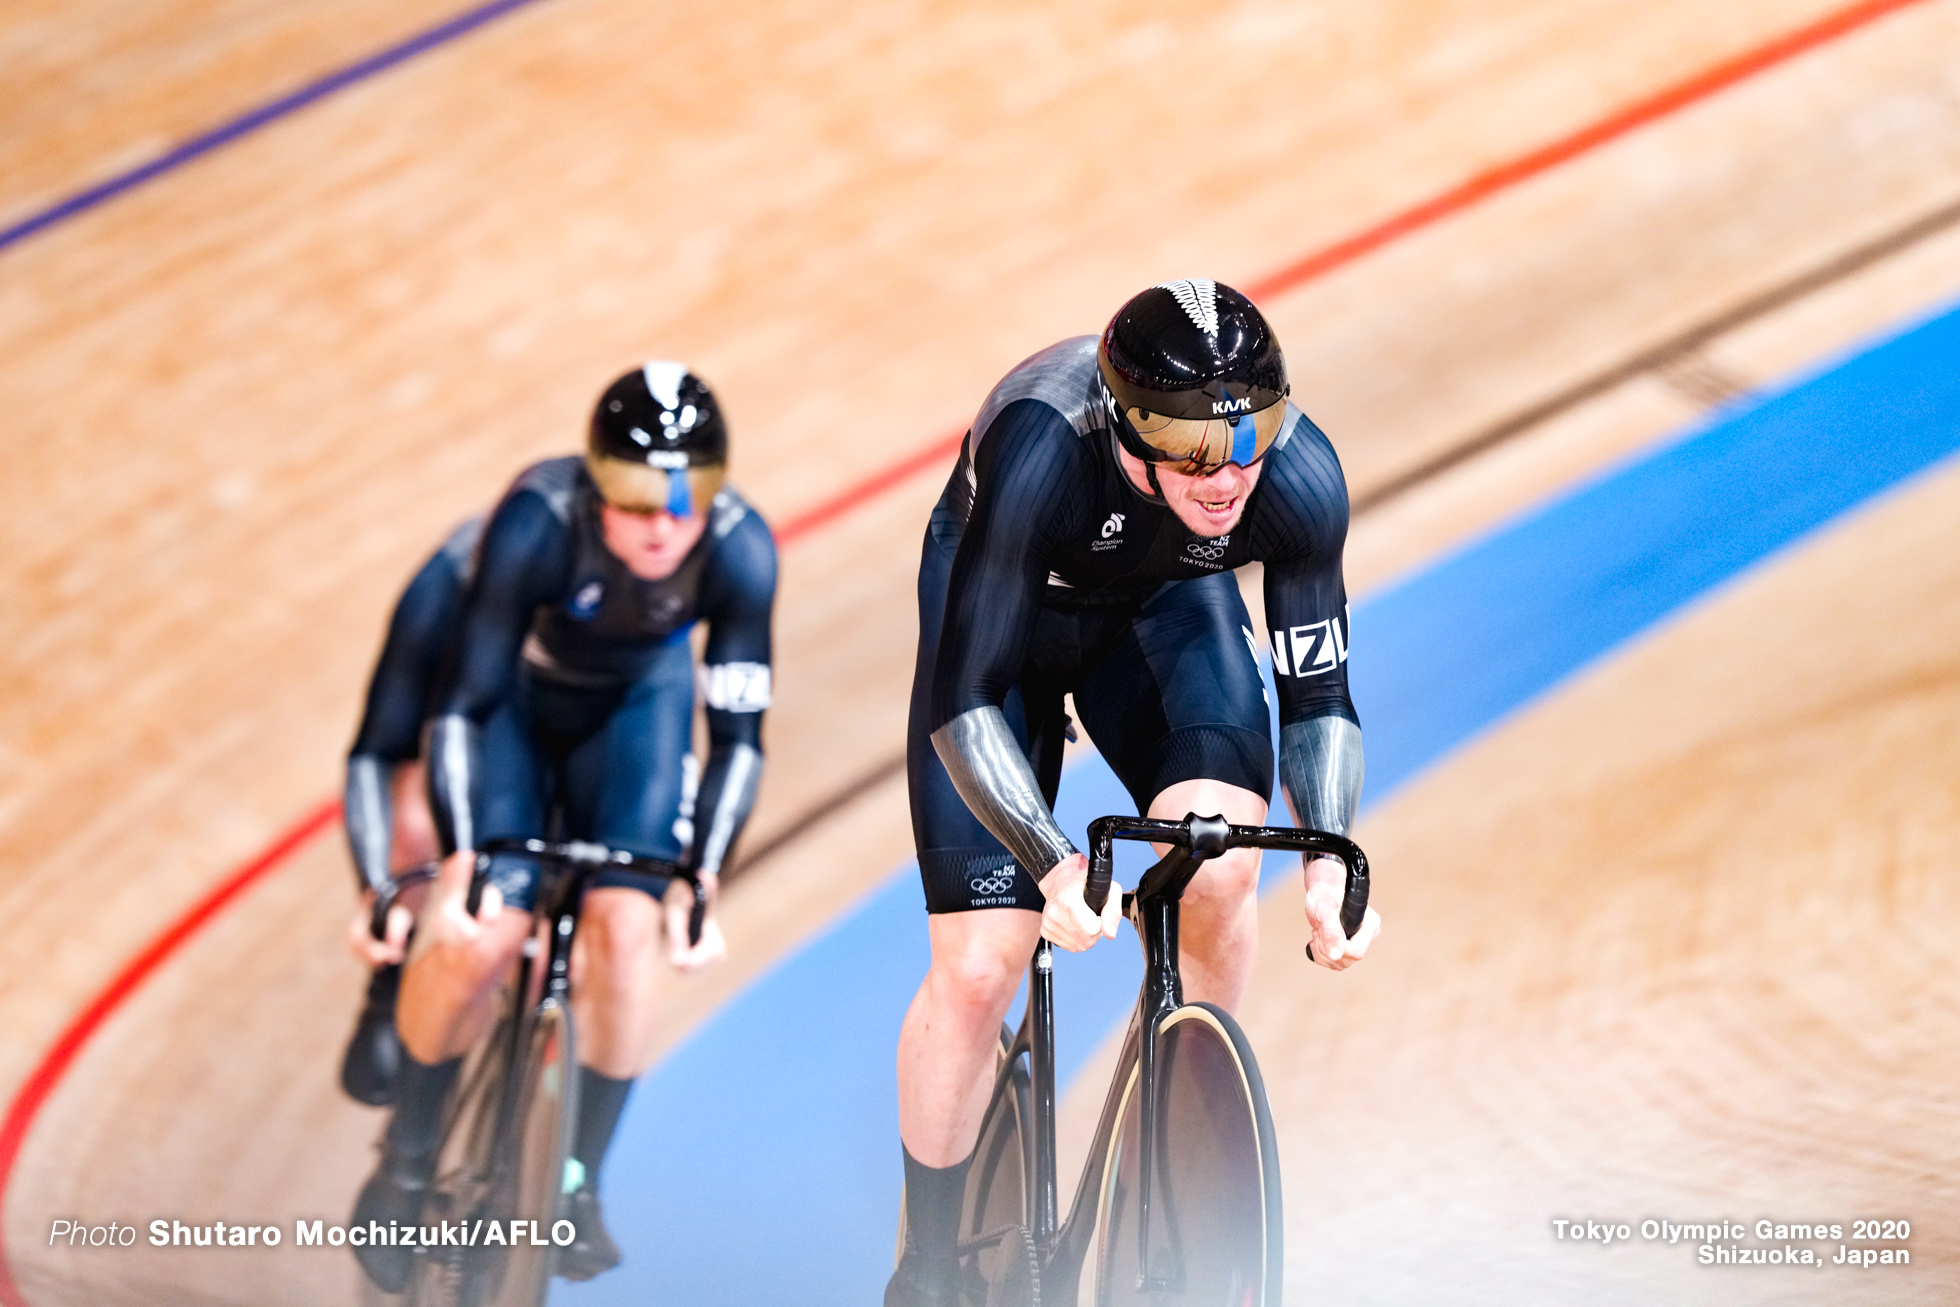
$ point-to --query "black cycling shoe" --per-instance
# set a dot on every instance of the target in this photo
(393, 1193)
(912, 1285)
(374, 1053)
(592, 1250)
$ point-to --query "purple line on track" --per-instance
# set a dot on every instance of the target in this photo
(253, 119)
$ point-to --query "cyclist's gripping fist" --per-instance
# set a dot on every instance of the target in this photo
(679, 903)
(1066, 919)
(447, 922)
(1326, 886)
(393, 947)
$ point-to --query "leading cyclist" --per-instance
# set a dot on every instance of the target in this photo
(575, 689)
(1085, 546)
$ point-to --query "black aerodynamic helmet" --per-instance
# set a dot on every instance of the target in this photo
(658, 442)
(1193, 377)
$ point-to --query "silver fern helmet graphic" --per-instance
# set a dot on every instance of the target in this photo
(1198, 297)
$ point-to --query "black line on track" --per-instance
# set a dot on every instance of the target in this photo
(1498, 433)
(819, 812)
(1658, 356)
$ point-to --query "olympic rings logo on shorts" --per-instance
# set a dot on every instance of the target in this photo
(992, 882)
(1208, 550)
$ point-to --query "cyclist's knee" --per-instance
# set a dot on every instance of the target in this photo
(479, 960)
(621, 927)
(979, 980)
(1228, 880)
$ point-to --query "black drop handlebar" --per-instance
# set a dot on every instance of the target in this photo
(573, 853)
(384, 898)
(1198, 839)
(596, 857)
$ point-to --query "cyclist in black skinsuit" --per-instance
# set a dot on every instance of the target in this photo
(574, 690)
(389, 828)
(1084, 546)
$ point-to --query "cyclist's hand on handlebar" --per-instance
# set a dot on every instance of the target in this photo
(679, 903)
(446, 919)
(379, 952)
(1326, 886)
(1066, 920)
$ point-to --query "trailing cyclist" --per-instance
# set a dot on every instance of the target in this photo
(1085, 545)
(385, 806)
(574, 695)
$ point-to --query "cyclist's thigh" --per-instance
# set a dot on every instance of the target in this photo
(628, 784)
(996, 943)
(963, 866)
(513, 791)
(1178, 696)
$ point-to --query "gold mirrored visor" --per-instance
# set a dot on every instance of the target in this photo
(1200, 446)
(637, 488)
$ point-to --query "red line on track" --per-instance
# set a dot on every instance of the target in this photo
(27, 1102)
(812, 519)
(1526, 166)
(21, 1112)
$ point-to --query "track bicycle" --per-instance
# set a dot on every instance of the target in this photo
(1178, 1204)
(505, 1155)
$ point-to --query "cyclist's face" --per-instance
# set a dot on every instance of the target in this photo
(1210, 505)
(651, 545)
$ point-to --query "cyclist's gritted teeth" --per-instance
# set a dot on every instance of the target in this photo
(1221, 509)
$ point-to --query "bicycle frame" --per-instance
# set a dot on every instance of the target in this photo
(1153, 909)
(541, 976)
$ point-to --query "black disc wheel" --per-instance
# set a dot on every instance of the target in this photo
(1215, 1232)
(532, 1172)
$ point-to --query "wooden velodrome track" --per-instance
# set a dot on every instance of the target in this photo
(1676, 941)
